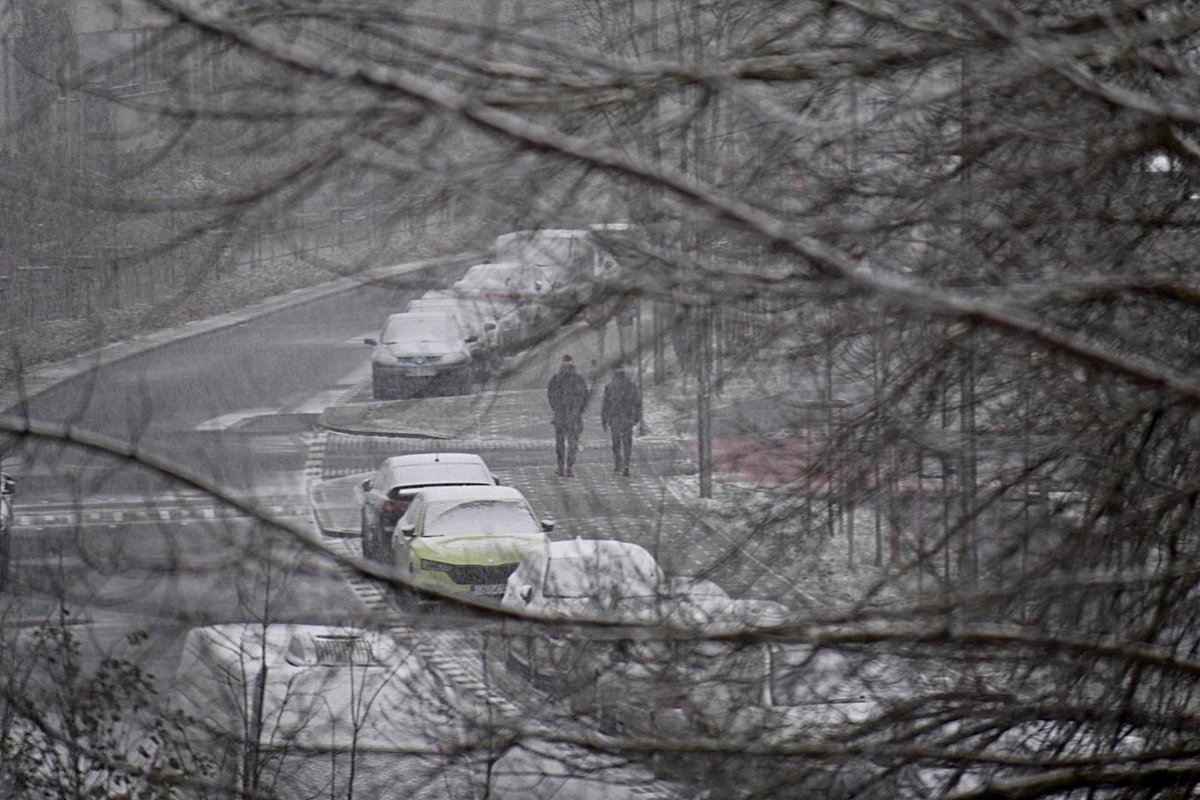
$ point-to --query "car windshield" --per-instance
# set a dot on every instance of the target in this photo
(579, 577)
(427, 328)
(479, 518)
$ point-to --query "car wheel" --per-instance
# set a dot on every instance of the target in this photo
(404, 598)
(5, 551)
(407, 599)
(379, 386)
(367, 541)
(387, 556)
(518, 657)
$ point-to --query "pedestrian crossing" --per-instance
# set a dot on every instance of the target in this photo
(456, 654)
(101, 512)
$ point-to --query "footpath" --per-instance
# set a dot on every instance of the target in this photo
(507, 421)
(508, 424)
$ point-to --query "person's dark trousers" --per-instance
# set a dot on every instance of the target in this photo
(622, 442)
(566, 444)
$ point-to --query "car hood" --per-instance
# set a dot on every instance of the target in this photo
(489, 549)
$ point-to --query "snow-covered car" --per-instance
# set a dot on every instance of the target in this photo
(655, 683)
(7, 486)
(538, 769)
(810, 691)
(301, 711)
(582, 579)
(421, 353)
(467, 539)
(582, 268)
(514, 290)
(474, 317)
(386, 495)
(607, 580)
(511, 280)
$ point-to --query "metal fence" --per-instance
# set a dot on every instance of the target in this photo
(73, 285)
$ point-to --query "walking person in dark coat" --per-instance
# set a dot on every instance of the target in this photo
(568, 395)
(622, 410)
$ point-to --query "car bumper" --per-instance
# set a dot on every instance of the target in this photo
(468, 579)
(410, 380)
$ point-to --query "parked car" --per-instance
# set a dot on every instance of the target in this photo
(304, 711)
(585, 265)
(538, 769)
(644, 684)
(467, 539)
(584, 579)
(387, 495)
(510, 279)
(511, 289)
(7, 485)
(605, 579)
(421, 353)
(472, 315)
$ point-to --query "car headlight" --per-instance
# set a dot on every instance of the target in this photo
(436, 566)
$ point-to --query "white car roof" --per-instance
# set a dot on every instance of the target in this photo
(584, 548)
(319, 674)
(436, 494)
(432, 458)
(424, 469)
(419, 314)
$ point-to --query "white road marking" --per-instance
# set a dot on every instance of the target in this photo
(226, 421)
(331, 396)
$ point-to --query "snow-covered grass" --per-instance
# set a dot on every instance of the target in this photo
(792, 534)
(843, 563)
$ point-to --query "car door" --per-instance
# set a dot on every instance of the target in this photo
(373, 496)
(401, 544)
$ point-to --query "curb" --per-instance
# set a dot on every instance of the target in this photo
(351, 423)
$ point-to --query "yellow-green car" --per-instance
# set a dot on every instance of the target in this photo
(467, 539)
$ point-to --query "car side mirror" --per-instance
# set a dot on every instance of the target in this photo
(525, 593)
(547, 525)
(408, 531)
(371, 342)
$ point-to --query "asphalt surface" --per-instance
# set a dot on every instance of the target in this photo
(241, 400)
(514, 436)
(238, 399)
